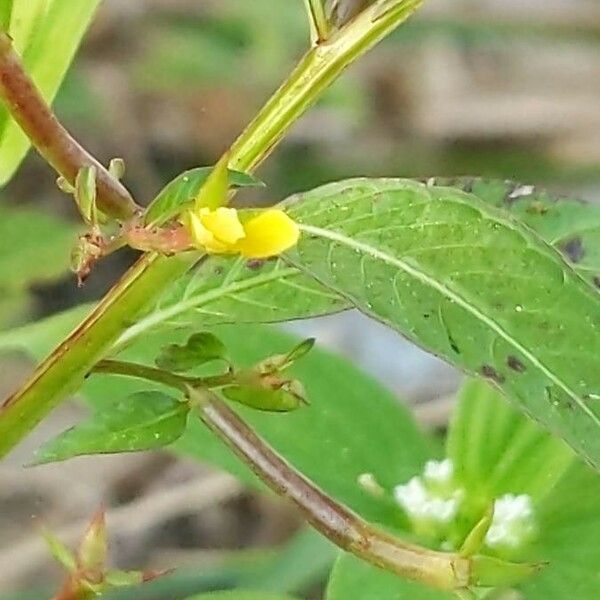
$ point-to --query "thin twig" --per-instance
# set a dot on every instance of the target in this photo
(180, 382)
(29, 109)
(343, 527)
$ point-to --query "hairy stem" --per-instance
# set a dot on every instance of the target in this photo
(336, 522)
(63, 372)
(29, 109)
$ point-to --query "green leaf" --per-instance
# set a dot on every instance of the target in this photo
(221, 290)
(235, 290)
(26, 237)
(570, 528)
(5, 13)
(143, 421)
(570, 225)
(301, 563)
(21, 19)
(468, 283)
(180, 193)
(47, 35)
(38, 338)
(199, 349)
(496, 450)
(59, 551)
(355, 579)
(254, 291)
(352, 426)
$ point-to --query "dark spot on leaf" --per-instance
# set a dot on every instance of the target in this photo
(218, 271)
(573, 249)
(490, 373)
(426, 315)
(515, 364)
(254, 265)
(596, 280)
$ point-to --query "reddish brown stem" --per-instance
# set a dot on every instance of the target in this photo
(29, 109)
(336, 522)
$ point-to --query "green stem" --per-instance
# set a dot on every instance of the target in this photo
(319, 24)
(63, 372)
(180, 382)
(317, 70)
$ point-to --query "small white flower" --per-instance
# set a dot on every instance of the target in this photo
(421, 505)
(513, 521)
(439, 472)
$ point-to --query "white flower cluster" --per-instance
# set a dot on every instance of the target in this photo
(431, 497)
(513, 522)
(433, 500)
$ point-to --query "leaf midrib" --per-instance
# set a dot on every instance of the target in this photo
(450, 294)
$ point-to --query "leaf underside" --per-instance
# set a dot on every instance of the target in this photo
(467, 282)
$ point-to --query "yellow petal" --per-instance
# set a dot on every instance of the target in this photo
(223, 223)
(202, 238)
(268, 234)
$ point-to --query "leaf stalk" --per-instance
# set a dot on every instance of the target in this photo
(174, 380)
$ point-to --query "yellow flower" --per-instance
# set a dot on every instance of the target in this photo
(220, 231)
(215, 231)
(268, 234)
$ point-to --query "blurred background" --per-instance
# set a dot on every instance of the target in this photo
(499, 88)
